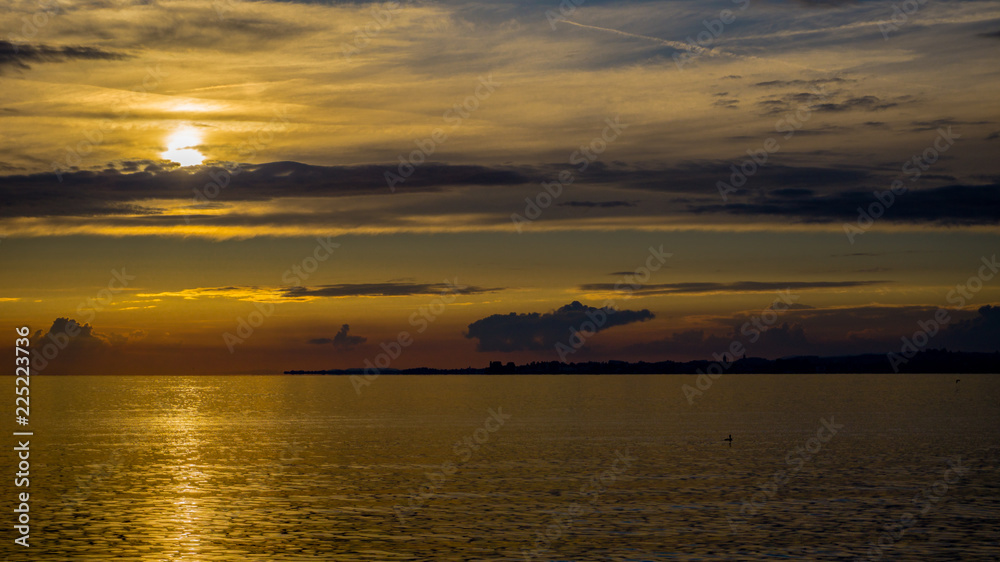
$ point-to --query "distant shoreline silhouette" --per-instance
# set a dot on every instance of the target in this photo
(929, 361)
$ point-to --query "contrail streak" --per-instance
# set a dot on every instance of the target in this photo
(672, 44)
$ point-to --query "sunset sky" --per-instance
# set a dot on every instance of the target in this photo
(170, 168)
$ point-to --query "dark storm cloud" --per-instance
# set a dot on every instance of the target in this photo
(947, 205)
(534, 331)
(18, 55)
(384, 290)
(737, 287)
(71, 348)
(67, 343)
(82, 333)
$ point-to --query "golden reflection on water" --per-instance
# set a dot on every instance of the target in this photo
(187, 519)
(301, 468)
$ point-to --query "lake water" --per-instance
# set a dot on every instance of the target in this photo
(276, 468)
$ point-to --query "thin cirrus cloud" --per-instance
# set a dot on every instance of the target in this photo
(384, 290)
(276, 294)
(738, 287)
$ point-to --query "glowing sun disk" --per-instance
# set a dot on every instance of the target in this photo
(181, 147)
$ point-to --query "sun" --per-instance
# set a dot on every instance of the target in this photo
(180, 147)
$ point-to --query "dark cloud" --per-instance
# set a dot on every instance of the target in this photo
(875, 254)
(827, 3)
(781, 340)
(697, 177)
(346, 342)
(601, 204)
(789, 103)
(981, 333)
(807, 193)
(821, 101)
(384, 290)
(688, 344)
(342, 340)
(117, 192)
(862, 103)
(90, 193)
(534, 331)
(947, 205)
(66, 345)
(792, 193)
(935, 124)
(710, 287)
(805, 330)
(20, 55)
(84, 334)
(799, 83)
